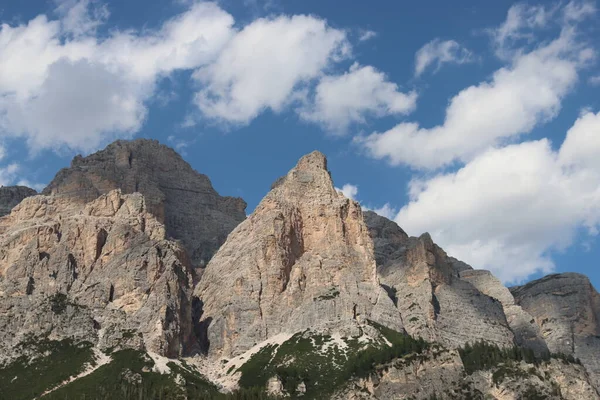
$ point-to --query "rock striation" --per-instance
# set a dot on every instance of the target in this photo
(10, 196)
(435, 303)
(303, 259)
(522, 324)
(100, 272)
(178, 196)
(566, 308)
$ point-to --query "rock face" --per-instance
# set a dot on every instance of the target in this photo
(441, 373)
(181, 198)
(566, 307)
(100, 272)
(303, 259)
(10, 196)
(526, 331)
(434, 302)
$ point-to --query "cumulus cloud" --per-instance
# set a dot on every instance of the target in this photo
(81, 17)
(341, 100)
(594, 80)
(349, 190)
(62, 86)
(265, 65)
(518, 97)
(509, 207)
(438, 52)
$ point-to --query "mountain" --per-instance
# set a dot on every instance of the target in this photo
(303, 259)
(183, 199)
(101, 297)
(10, 196)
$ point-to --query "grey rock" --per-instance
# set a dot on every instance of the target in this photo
(425, 284)
(183, 199)
(566, 307)
(10, 196)
(527, 333)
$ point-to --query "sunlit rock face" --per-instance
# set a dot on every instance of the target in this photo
(183, 199)
(566, 307)
(100, 272)
(303, 259)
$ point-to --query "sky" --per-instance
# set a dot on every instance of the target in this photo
(478, 122)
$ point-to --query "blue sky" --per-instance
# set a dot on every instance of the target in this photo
(478, 124)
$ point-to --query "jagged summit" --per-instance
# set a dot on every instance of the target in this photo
(314, 160)
(303, 259)
(176, 194)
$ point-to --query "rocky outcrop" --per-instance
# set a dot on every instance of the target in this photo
(303, 259)
(100, 272)
(425, 284)
(440, 374)
(566, 307)
(10, 196)
(181, 198)
(526, 331)
(434, 373)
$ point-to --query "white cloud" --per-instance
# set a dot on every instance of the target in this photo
(507, 208)
(523, 20)
(366, 35)
(265, 64)
(517, 98)
(594, 80)
(438, 52)
(349, 98)
(520, 22)
(61, 86)
(81, 17)
(349, 190)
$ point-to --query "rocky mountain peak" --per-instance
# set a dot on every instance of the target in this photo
(312, 161)
(183, 199)
(303, 259)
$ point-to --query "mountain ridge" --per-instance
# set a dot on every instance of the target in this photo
(309, 294)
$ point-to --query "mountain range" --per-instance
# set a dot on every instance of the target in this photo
(130, 277)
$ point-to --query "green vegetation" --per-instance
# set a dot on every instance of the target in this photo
(319, 363)
(58, 303)
(129, 376)
(27, 378)
(483, 356)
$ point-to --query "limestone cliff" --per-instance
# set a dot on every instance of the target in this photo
(566, 308)
(303, 259)
(100, 272)
(425, 283)
(183, 199)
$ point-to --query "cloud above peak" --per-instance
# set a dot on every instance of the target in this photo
(509, 208)
(266, 65)
(363, 91)
(62, 86)
(518, 97)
